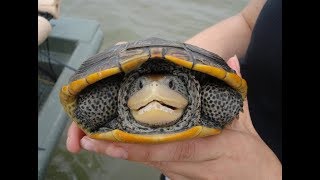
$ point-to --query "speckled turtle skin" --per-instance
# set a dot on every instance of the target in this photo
(214, 91)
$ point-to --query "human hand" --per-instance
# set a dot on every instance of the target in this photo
(237, 153)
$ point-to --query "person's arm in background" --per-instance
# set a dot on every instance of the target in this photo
(231, 36)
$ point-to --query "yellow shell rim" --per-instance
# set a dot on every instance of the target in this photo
(121, 136)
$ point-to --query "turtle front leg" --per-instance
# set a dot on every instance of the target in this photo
(220, 104)
(97, 104)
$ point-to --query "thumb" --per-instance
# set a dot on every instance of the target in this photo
(244, 123)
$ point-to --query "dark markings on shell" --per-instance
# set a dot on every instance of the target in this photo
(110, 57)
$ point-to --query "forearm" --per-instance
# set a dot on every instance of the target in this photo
(227, 38)
(230, 36)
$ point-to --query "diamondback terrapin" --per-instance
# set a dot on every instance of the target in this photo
(153, 91)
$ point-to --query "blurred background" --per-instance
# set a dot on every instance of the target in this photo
(128, 20)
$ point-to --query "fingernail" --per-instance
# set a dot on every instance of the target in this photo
(68, 139)
(67, 143)
(237, 63)
(87, 144)
(232, 58)
(117, 152)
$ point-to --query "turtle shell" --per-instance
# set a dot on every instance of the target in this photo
(124, 58)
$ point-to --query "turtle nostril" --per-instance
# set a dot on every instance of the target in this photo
(154, 84)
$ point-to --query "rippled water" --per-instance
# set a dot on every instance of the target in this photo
(127, 20)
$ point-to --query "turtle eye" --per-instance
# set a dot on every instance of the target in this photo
(170, 84)
(140, 85)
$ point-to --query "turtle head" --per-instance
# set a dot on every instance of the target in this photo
(157, 99)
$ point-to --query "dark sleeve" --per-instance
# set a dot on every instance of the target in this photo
(262, 68)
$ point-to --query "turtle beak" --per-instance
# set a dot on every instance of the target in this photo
(157, 104)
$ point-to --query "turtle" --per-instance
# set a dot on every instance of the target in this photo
(153, 91)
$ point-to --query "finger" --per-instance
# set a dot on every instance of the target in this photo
(190, 150)
(103, 147)
(74, 136)
(233, 62)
